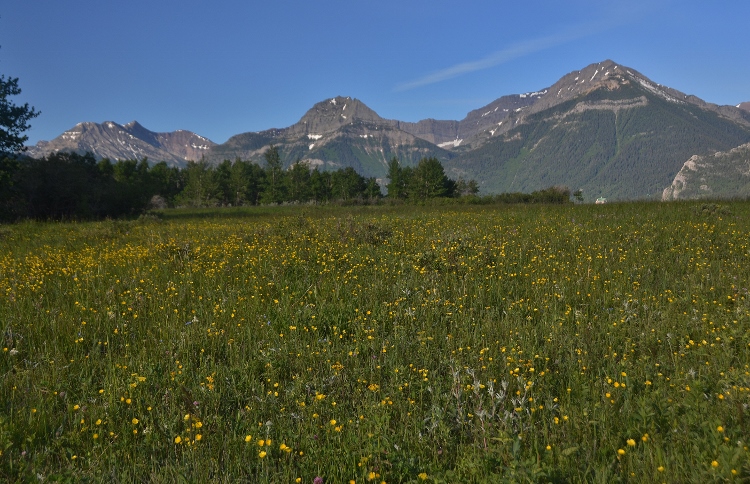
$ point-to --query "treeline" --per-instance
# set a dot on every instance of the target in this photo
(72, 186)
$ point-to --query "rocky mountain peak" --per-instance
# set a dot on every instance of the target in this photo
(745, 106)
(130, 141)
(329, 115)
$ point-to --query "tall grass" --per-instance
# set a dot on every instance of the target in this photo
(397, 344)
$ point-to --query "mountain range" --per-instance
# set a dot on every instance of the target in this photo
(606, 129)
(128, 141)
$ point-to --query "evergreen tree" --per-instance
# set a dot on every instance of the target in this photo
(66, 186)
(372, 189)
(236, 191)
(298, 182)
(14, 120)
(274, 189)
(166, 181)
(223, 174)
(255, 182)
(320, 185)
(429, 181)
(397, 179)
(347, 184)
(132, 189)
(201, 188)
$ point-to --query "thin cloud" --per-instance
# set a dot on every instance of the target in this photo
(500, 57)
(614, 15)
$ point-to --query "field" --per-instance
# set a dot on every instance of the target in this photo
(386, 344)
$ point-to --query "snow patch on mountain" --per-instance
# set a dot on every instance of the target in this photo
(455, 143)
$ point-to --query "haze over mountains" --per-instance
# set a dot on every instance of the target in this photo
(605, 129)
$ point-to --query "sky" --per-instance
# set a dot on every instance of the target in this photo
(223, 67)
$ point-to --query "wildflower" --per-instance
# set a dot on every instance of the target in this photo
(422, 476)
(198, 437)
(621, 451)
(262, 454)
(660, 468)
(631, 442)
(177, 439)
(371, 476)
(135, 421)
(318, 480)
(714, 464)
(248, 438)
(720, 429)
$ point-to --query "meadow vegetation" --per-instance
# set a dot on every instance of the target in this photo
(456, 343)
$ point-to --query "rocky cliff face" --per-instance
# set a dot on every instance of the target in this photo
(723, 174)
(333, 114)
(129, 141)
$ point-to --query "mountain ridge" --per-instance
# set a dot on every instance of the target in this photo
(591, 114)
(126, 141)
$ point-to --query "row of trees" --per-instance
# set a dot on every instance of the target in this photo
(426, 180)
(246, 183)
(69, 185)
(73, 186)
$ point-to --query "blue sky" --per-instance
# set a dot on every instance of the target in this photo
(221, 68)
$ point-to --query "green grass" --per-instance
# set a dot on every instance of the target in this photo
(455, 343)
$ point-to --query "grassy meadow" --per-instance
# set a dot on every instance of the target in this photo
(569, 343)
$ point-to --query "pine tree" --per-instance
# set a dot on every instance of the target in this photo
(14, 120)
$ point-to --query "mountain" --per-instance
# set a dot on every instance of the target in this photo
(335, 133)
(745, 106)
(606, 129)
(720, 175)
(129, 141)
(452, 134)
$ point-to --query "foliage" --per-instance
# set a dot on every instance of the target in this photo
(429, 181)
(425, 181)
(627, 153)
(14, 119)
(274, 190)
(506, 343)
(73, 186)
